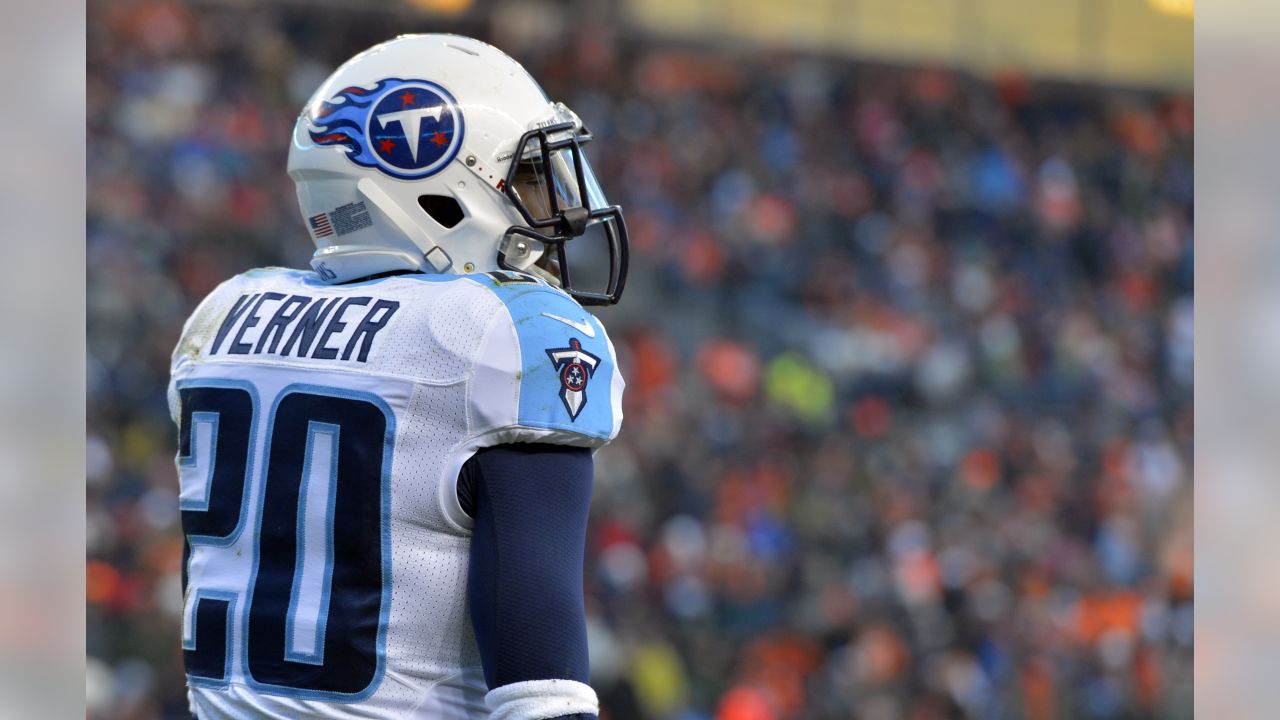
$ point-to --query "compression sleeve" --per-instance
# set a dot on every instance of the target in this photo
(530, 506)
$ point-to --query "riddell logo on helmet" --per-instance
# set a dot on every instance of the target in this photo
(408, 129)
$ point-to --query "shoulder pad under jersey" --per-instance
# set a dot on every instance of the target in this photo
(546, 371)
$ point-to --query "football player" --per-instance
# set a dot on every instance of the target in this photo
(386, 460)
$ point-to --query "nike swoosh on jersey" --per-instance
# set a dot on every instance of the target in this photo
(582, 326)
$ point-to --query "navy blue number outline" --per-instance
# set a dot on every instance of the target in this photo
(210, 540)
(385, 607)
(251, 470)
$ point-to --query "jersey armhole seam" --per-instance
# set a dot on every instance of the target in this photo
(465, 523)
(489, 328)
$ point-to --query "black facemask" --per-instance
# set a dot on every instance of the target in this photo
(556, 192)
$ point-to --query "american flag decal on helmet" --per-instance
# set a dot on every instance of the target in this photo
(320, 225)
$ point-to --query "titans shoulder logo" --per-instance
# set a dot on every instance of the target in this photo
(408, 129)
(575, 366)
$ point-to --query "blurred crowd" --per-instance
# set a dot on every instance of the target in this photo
(909, 359)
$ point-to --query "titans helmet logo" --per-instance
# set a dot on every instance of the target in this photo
(576, 366)
(408, 129)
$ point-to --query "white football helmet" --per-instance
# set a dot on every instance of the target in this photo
(440, 154)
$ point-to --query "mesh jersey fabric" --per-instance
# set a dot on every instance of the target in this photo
(458, 363)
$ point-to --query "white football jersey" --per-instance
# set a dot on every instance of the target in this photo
(321, 431)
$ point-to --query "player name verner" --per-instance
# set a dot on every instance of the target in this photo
(301, 326)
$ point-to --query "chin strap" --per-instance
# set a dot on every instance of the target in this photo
(432, 254)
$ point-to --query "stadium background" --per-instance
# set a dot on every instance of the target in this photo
(907, 334)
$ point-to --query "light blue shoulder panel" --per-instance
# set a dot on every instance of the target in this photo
(567, 371)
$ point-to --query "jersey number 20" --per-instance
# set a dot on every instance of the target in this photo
(317, 596)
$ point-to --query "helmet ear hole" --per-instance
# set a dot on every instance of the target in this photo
(444, 209)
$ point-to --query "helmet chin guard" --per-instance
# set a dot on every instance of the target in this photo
(418, 155)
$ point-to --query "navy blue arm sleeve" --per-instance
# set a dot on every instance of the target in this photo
(524, 584)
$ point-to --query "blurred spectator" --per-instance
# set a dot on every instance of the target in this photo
(909, 415)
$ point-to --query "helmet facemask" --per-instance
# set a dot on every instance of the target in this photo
(570, 226)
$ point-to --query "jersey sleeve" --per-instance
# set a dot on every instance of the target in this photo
(546, 373)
